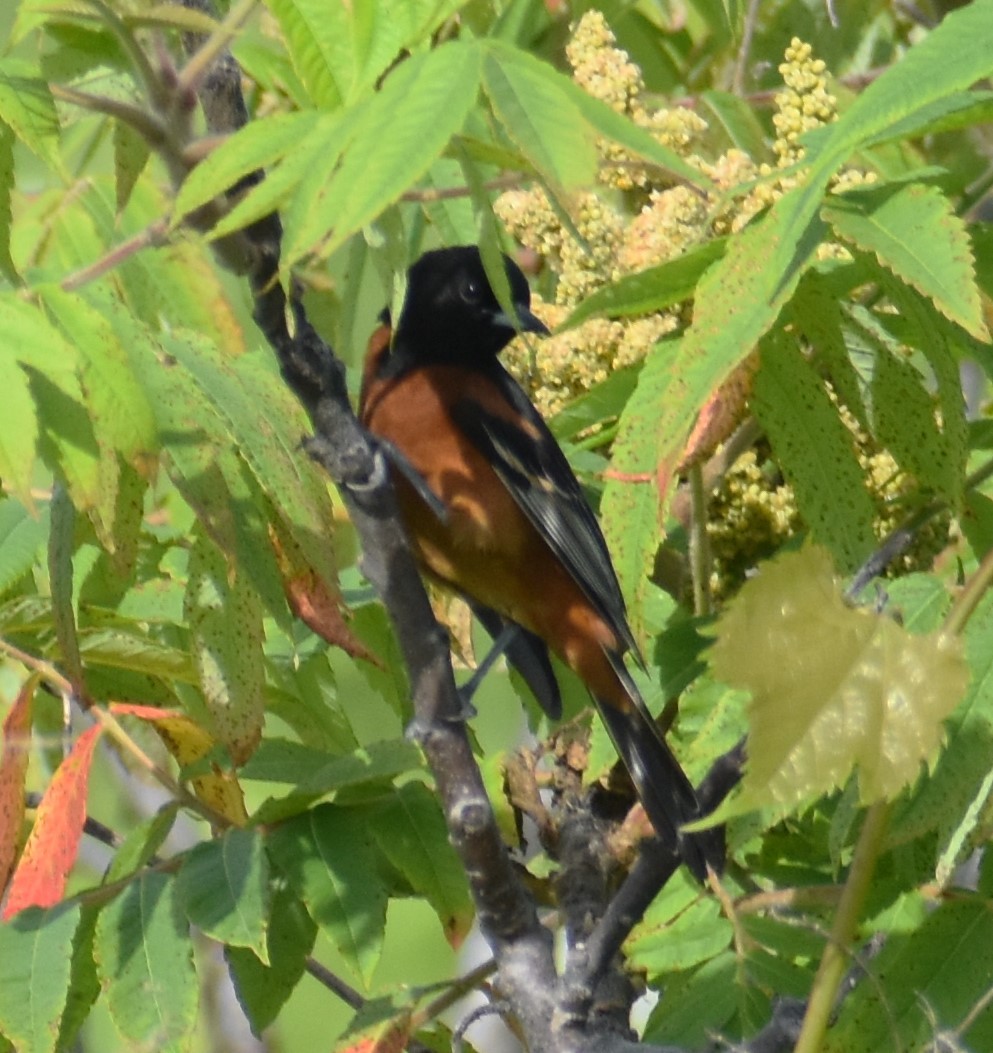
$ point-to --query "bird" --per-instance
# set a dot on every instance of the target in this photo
(494, 512)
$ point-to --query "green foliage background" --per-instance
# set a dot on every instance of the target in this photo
(157, 507)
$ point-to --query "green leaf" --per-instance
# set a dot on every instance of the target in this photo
(263, 990)
(404, 129)
(681, 929)
(792, 405)
(7, 268)
(943, 799)
(265, 424)
(84, 983)
(205, 464)
(330, 860)
(259, 145)
(540, 115)
(121, 416)
(131, 153)
(281, 760)
(142, 842)
(410, 831)
(225, 619)
(317, 35)
(115, 649)
(696, 1005)
(922, 982)
(21, 537)
(35, 956)
(224, 888)
(737, 117)
(833, 688)
(914, 232)
(144, 955)
(653, 289)
(27, 107)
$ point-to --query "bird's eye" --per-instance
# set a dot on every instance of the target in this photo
(470, 290)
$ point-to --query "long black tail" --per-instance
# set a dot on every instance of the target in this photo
(662, 785)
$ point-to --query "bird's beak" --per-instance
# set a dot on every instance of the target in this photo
(526, 322)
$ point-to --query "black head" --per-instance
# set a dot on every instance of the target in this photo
(450, 313)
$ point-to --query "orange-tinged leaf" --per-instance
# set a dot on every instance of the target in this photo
(13, 769)
(40, 877)
(384, 1037)
(312, 598)
(834, 688)
(189, 743)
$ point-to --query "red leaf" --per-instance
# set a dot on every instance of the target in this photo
(13, 769)
(40, 877)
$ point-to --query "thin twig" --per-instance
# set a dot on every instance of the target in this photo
(323, 975)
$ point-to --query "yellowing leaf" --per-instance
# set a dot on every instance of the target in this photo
(833, 687)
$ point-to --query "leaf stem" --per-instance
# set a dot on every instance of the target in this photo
(968, 599)
(834, 961)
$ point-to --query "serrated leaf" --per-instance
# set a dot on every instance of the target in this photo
(35, 955)
(257, 146)
(652, 289)
(206, 466)
(914, 232)
(84, 984)
(411, 832)
(281, 760)
(40, 877)
(7, 268)
(13, 770)
(942, 800)
(792, 405)
(736, 302)
(193, 747)
(19, 435)
(119, 409)
(140, 654)
(224, 889)
(540, 116)
(833, 688)
(261, 990)
(131, 153)
(922, 983)
(144, 956)
(21, 537)
(27, 107)
(225, 619)
(262, 420)
(696, 1003)
(329, 858)
(318, 38)
(404, 129)
(681, 929)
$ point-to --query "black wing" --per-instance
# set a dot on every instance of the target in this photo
(535, 471)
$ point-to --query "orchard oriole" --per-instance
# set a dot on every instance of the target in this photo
(494, 512)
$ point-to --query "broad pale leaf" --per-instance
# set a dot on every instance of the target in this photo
(833, 688)
(35, 956)
(52, 845)
(144, 955)
(224, 889)
(914, 232)
(329, 857)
